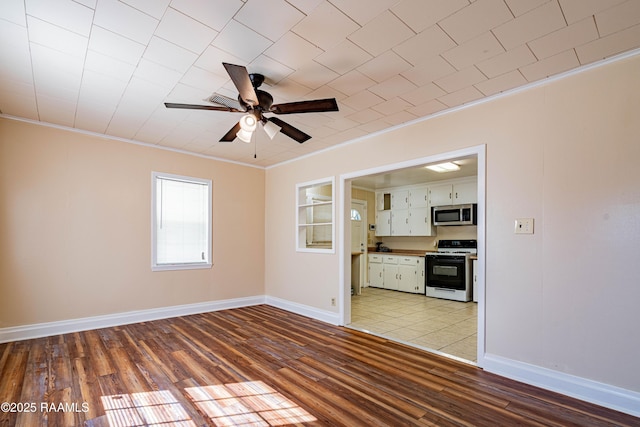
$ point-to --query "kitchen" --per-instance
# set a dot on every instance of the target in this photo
(417, 222)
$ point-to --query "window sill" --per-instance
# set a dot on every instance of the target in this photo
(172, 267)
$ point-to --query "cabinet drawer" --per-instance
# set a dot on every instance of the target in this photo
(408, 260)
(390, 259)
(375, 258)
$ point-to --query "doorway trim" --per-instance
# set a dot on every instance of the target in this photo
(344, 231)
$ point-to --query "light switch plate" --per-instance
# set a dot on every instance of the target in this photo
(524, 226)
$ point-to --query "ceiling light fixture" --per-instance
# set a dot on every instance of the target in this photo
(248, 124)
(271, 128)
(444, 167)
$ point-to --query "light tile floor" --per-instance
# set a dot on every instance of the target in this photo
(449, 327)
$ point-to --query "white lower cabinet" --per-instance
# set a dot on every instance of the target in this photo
(390, 274)
(395, 272)
(376, 279)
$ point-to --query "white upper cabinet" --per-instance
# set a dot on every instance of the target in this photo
(419, 197)
(465, 192)
(457, 193)
(399, 199)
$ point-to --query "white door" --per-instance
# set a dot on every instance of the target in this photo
(358, 244)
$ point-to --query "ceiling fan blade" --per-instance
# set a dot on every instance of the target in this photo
(231, 135)
(290, 131)
(240, 77)
(314, 106)
(200, 107)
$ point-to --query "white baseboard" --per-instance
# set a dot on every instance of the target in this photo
(38, 330)
(304, 310)
(612, 397)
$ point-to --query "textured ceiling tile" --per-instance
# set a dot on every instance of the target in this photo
(574, 35)
(363, 99)
(381, 34)
(69, 15)
(475, 19)
(344, 57)
(519, 7)
(125, 20)
(352, 83)
(212, 59)
(365, 116)
(611, 45)
(424, 94)
(392, 106)
(550, 66)
(393, 87)
(400, 117)
(306, 6)
(384, 66)
(292, 51)
(461, 79)
(200, 78)
(429, 70)
(115, 45)
(13, 11)
(501, 83)
(326, 26)
(474, 51)
(461, 96)
(56, 74)
(57, 38)
(185, 31)
(18, 99)
(212, 13)
(431, 42)
(14, 53)
(240, 41)
(420, 14)
(536, 23)
(271, 18)
(108, 66)
(155, 8)
(577, 10)
(618, 18)
(313, 75)
(360, 13)
(157, 74)
(427, 108)
(169, 55)
(508, 61)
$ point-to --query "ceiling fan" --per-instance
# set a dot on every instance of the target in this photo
(255, 103)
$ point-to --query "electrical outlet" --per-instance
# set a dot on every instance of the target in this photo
(333, 302)
(524, 226)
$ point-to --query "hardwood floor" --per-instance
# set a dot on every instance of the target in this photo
(261, 366)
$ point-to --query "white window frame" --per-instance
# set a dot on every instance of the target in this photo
(208, 261)
(303, 228)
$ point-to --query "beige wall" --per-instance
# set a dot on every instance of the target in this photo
(75, 227)
(566, 154)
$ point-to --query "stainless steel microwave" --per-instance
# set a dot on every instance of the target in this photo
(455, 215)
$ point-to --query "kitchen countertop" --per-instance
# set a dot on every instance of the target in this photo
(403, 252)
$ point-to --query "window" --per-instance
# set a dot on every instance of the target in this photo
(181, 222)
(315, 231)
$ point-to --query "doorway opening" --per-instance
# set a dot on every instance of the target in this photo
(412, 316)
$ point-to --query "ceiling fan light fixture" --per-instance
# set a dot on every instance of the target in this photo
(248, 124)
(444, 167)
(271, 129)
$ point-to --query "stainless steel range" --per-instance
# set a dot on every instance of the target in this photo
(448, 271)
